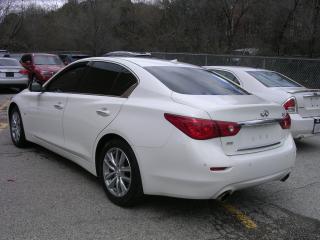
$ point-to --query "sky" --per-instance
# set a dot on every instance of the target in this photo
(47, 3)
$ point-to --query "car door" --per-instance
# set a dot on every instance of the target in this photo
(100, 98)
(51, 104)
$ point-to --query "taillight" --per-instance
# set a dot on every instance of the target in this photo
(285, 123)
(290, 105)
(24, 72)
(202, 129)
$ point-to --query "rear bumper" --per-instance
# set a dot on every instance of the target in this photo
(186, 172)
(301, 127)
(253, 182)
(14, 82)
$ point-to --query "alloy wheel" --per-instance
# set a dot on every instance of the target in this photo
(117, 172)
(16, 126)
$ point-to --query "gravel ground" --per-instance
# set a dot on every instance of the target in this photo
(44, 196)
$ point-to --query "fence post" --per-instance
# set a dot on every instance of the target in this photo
(264, 63)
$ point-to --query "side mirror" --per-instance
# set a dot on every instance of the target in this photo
(36, 87)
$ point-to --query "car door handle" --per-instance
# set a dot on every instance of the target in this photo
(103, 112)
(58, 106)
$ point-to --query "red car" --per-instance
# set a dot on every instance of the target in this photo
(41, 66)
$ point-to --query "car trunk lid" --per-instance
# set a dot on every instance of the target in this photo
(10, 72)
(259, 120)
(308, 101)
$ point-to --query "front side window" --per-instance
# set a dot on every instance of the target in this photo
(69, 80)
(47, 60)
(194, 81)
(273, 79)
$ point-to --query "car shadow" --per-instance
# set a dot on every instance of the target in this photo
(6, 91)
(63, 162)
(307, 144)
(148, 202)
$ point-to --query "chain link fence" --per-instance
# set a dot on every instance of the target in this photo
(303, 70)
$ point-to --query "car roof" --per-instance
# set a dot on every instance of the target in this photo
(127, 54)
(6, 58)
(43, 54)
(145, 62)
(73, 54)
(236, 68)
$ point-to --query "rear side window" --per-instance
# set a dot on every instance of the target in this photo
(69, 80)
(194, 81)
(273, 79)
(100, 78)
(124, 82)
(9, 62)
(228, 75)
(47, 60)
(107, 79)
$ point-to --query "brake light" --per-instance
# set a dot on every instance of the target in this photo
(202, 129)
(290, 105)
(285, 123)
(24, 72)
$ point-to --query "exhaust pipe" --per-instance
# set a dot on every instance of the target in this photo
(224, 196)
(285, 177)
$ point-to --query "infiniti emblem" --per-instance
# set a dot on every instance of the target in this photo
(265, 113)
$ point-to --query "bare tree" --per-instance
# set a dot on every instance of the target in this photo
(234, 11)
(5, 6)
(315, 26)
(286, 24)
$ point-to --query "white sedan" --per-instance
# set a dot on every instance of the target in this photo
(156, 127)
(12, 74)
(301, 103)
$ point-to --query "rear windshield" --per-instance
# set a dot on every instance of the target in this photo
(9, 63)
(47, 60)
(194, 81)
(273, 79)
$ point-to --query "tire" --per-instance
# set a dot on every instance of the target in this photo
(16, 129)
(120, 178)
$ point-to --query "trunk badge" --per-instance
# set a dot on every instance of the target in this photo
(265, 113)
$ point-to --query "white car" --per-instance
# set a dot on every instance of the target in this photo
(12, 74)
(148, 126)
(301, 103)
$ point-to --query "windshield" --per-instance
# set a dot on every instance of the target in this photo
(47, 60)
(194, 81)
(273, 79)
(9, 62)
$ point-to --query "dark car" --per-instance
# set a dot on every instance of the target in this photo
(4, 53)
(41, 66)
(68, 58)
(127, 54)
